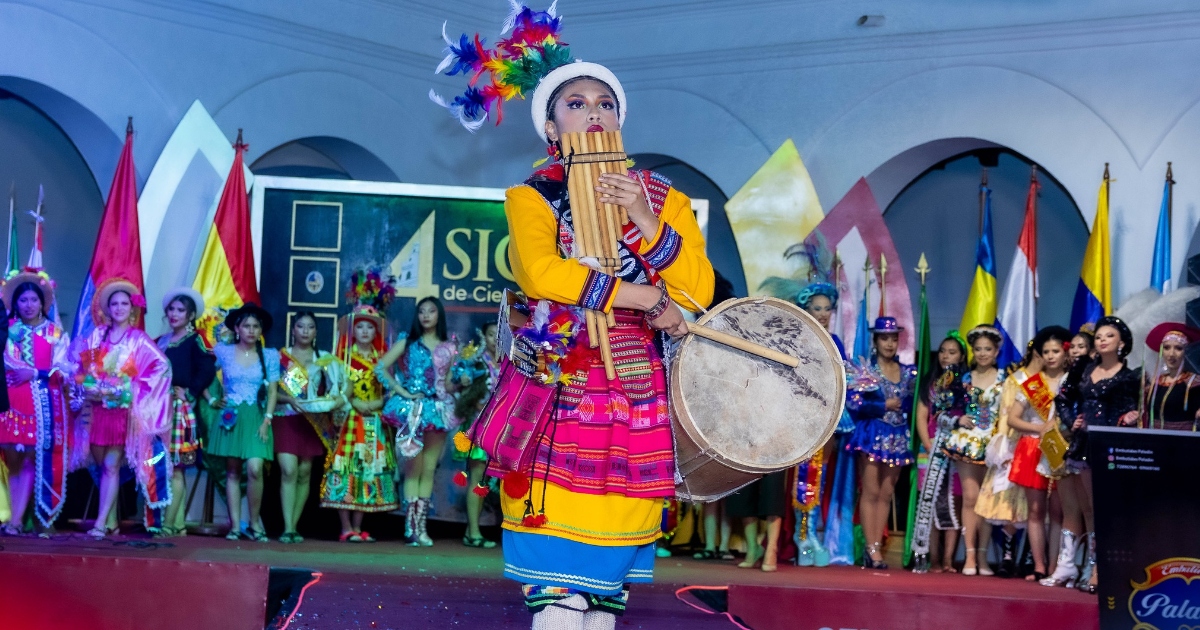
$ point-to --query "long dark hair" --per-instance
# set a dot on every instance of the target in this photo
(936, 370)
(415, 331)
(258, 347)
(313, 316)
(24, 288)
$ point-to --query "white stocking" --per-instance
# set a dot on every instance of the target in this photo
(565, 614)
(599, 620)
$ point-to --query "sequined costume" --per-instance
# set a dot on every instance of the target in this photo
(935, 504)
(422, 371)
(360, 470)
(983, 407)
(881, 434)
(233, 430)
(1100, 403)
(1001, 501)
(38, 417)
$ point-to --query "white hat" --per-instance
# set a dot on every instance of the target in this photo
(562, 74)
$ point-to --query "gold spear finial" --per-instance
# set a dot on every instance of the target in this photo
(922, 268)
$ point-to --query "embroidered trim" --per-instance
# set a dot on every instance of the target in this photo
(665, 252)
(597, 290)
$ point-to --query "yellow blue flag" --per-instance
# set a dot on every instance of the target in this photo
(1093, 297)
(981, 302)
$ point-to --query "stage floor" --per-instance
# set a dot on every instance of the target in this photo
(387, 585)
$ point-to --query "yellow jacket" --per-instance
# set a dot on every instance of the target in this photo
(543, 273)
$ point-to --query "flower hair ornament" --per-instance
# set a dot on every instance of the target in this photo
(530, 59)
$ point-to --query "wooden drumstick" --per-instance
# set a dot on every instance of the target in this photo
(743, 345)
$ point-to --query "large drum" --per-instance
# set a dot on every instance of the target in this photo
(737, 416)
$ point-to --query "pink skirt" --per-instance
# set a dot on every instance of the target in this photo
(109, 426)
(295, 435)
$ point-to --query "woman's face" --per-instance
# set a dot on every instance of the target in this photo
(489, 338)
(583, 105)
(985, 352)
(1108, 340)
(1053, 355)
(178, 315)
(1079, 348)
(249, 330)
(364, 332)
(119, 308)
(886, 345)
(304, 330)
(949, 353)
(821, 309)
(1172, 353)
(29, 307)
(427, 315)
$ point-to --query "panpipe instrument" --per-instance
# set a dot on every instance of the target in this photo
(597, 226)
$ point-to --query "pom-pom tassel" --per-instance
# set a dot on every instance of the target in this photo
(481, 490)
(515, 484)
(460, 479)
(534, 520)
(462, 443)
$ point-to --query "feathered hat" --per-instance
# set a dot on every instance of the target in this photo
(814, 274)
(370, 292)
(533, 59)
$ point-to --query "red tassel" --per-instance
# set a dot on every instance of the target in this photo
(480, 490)
(532, 520)
(460, 479)
(515, 484)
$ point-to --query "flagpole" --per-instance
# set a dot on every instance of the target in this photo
(983, 182)
(1033, 188)
(882, 285)
(12, 202)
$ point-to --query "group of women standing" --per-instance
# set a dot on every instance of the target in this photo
(117, 397)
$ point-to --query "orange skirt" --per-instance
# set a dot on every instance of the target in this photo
(1024, 464)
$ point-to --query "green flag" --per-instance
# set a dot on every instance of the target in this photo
(923, 365)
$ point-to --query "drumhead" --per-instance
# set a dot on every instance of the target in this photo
(750, 413)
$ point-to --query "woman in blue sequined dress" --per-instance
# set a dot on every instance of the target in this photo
(879, 398)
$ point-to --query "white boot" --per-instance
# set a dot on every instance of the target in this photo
(1066, 572)
(565, 614)
(599, 620)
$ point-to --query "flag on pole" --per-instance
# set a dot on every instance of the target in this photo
(35, 254)
(923, 363)
(1160, 269)
(1017, 319)
(13, 263)
(118, 252)
(1093, 297)
(981, 301)
(226, 277)
(862, 328)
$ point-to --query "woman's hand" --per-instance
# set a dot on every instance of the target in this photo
(1044, 428)
(928, 444)
(625, 191)
(1079, 424)
(671, 322)
(1128, 420)
(892, 404)
(264, 429)
(360, 406)
(284, 399)
(179, 393)
(17, 376)
(966, 422)
(216, 403)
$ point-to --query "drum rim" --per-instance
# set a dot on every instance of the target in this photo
(678, 404)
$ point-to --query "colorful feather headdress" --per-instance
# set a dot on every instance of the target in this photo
(369, 287)
(814, 275)
(513, 68)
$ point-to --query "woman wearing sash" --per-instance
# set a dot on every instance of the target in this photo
(360, 471)
(1030, 415)
(310, 393)
(967, 443)
(126, 380)
(1108, 395)
(879, 399)
(193, 368)
(38, 364)
(940, 404)
(1170, 402)
(586, 527)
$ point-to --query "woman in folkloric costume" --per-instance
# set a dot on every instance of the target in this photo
(1002, 502)
(38, 364)
(422, 407)
(241, 430)
(967, 443)
(1107, 395)
(941, 403)
(586, 526)
(474, 374)
(1030, 415)
(310, 395)
(360, 470)
(879, 398)
(193, 368)
(126, 380)
(1169, 401)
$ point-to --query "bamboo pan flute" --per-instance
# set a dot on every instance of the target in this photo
(597, 226)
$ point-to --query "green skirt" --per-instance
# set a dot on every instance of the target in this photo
(241, 440)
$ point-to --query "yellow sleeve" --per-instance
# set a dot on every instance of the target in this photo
(540, 270)
(677, 252)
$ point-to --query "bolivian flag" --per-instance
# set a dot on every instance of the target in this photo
(225, 277)
(1093, 297)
